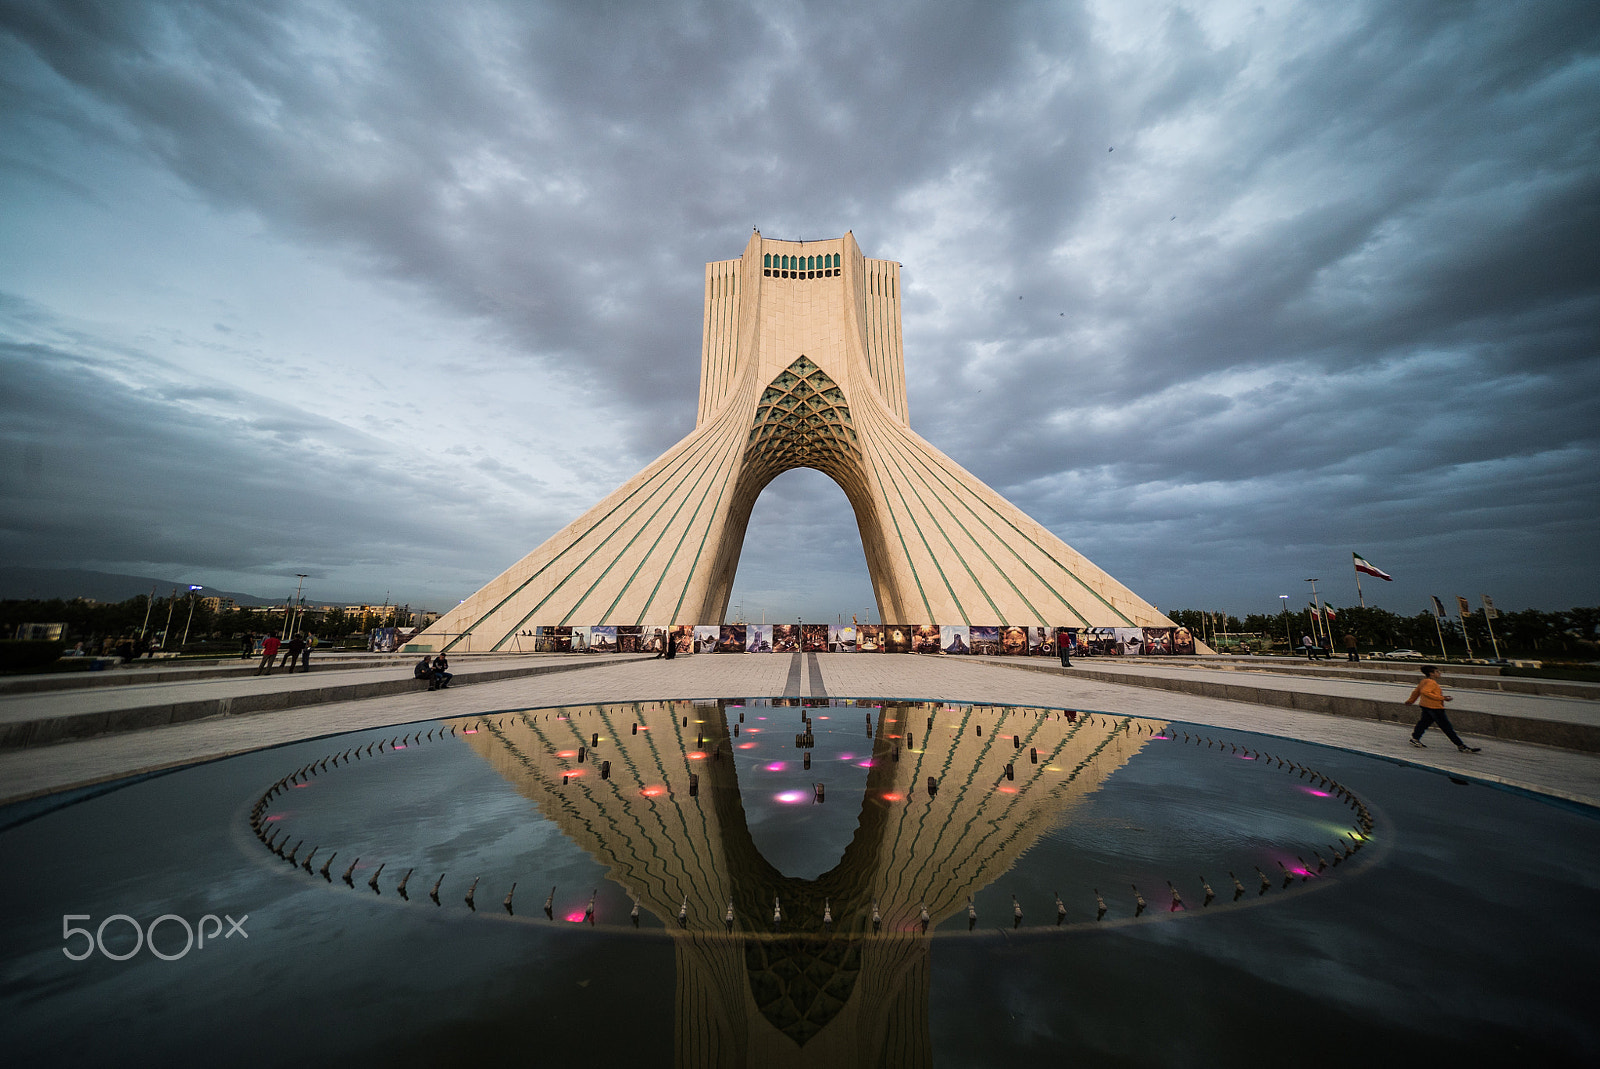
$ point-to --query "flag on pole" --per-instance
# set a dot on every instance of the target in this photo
(1464, 605)
(1363, 566)
(1438, 606)
(1488, 608)
(1328, 609)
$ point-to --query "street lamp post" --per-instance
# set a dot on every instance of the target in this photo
(166, 632)
(1287, 634)
(1321, 619)
(190, 620)
(289, 609)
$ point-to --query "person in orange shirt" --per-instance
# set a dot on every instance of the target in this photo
(1433, 700)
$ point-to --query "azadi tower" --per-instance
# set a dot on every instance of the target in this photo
(801, 367)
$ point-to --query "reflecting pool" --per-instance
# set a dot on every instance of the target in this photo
(795, 882)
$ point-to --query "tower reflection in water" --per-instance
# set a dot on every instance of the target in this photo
(846, 993)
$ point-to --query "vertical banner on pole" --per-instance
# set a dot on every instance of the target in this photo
(1490, 614)
(1438, 614)
(1464, 608)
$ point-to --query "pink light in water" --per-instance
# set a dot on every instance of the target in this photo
(573, 772)
(399, 746)
(776, 766)
(824, 718)
(1319, 794)
(890, 796)
(1161, 738)
(792, 797)
(276, 816)
(864, 764)
(1244, 757)
(697, 756)
(470, 731)
(760, 718)
(747, 746)
(1008, 790)
(653, 791)
(566, 753)
(297, 786)
(752, 731)
(847, 757)
(576, 918)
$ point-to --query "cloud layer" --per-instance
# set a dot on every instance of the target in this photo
(1218, 293)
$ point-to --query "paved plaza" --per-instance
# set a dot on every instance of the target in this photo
(580, 680)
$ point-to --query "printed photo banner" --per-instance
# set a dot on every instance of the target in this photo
(706, 637)
(948, 639)
(758, 638)
(955, 638)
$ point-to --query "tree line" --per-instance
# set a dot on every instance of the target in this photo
(93, 622)
(1573, 634)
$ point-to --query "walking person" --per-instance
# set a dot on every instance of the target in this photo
(247, 646)
(1064, 647)
(1310, 647)
(269, 653)
(1350, 653)
(1433, 699)
(305, 654)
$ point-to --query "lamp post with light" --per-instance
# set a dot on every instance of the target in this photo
(190, 620)
(1288, 636)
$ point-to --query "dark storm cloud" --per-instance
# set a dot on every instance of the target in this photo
(1288, 280)
(242, 485)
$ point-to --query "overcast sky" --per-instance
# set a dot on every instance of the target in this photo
(389, 293)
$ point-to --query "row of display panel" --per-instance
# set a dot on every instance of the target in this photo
(950, 639)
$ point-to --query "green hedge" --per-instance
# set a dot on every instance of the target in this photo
(28, 656)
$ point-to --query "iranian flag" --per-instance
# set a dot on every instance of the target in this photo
(1363, 566)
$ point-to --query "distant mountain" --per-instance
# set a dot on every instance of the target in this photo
(68, 583)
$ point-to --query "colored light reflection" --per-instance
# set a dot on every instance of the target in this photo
(470, 731)
(297, 786)
(792, 797)
(573, 772)
(697, 756)
(566, 753)
(1314, 791)
(824, 718)
(275, 816)
(864, 764)
(1244, 757)
(776, 766)
(1008, 790)
(1159, 738)
(847, 757)
(891, 796)
(400, 746)
(747, 746)
(576, 918)
(653, 791)
(752, 731)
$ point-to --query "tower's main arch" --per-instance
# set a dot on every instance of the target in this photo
(801, 366)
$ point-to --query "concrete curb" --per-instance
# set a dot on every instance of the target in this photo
(1584, 737)
(46, 730)
(141, 676)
